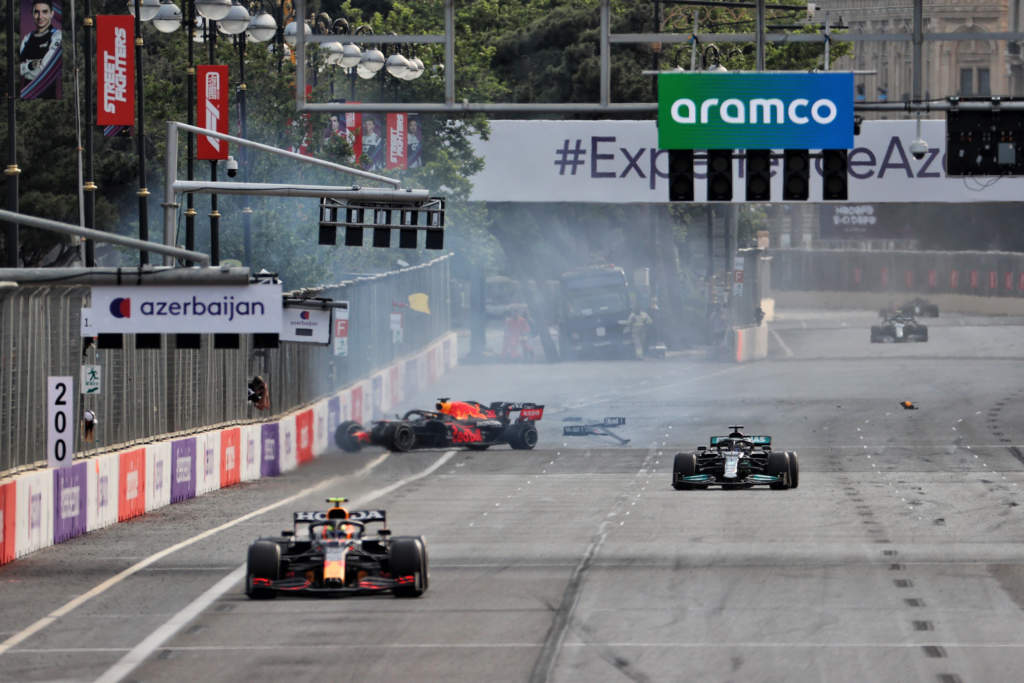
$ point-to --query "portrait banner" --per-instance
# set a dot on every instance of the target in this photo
(398, 128)
(212, 110)
(115, 71)
(40, 50)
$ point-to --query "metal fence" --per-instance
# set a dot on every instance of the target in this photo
(149, 393)
(975, 273)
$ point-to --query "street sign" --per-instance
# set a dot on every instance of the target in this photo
(306, 325)
(60, 432)
(91, 379)
(761, 110)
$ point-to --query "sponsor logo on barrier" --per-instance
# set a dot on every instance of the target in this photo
(303, 438)
(158, 471)
(102, 492)
(229, 457)
(270, 449)
(1, 527)
(69, 502)
(208, 462)
(35, 510)
(131, 485)
(250, 455)
(183, 472)
(320, 427)
(287, 441)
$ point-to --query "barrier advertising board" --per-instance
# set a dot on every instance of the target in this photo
(183, 469)
(270, 464)
(70, 485)
(238, 309)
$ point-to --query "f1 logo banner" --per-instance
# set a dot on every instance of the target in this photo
(212, 110)
(755, 111)
(115, 70)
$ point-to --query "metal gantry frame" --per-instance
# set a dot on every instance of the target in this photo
(605, 106)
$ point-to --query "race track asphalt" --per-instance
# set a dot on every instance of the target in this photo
(899, 558)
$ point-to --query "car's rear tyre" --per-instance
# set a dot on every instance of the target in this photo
(403, 438)
(264, 562)
(522, 436)
(923, 333)
(794, 470)
(408, 557)
(876, 334)
(931, 310)
(778, 466)
(345, 436)
(683, 465)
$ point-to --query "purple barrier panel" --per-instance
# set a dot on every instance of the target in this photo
(270, 460)
(183, 470)
(69, 487)
(333, 415)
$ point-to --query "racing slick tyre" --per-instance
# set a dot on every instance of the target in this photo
(794, 470)
(408, 557)
(522, 436)
(923, 333)
(264, 562)
(345, 436)
(402, 437)
(876, 334)
(930, 310)
(684, 465)
(778, 466)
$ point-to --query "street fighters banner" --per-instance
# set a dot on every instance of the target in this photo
(115, 70)
(398, 128)
(212, 110)
(40, 51)
(354, 125)
(619, 162)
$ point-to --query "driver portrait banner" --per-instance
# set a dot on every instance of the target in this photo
(212, 110)
(40, 50)
(115, 70)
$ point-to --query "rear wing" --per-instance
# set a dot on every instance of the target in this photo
(755, 440)
(594, 427)
(527, 411)
(365, 516)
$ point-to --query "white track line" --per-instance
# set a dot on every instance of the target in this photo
(166, 631)
(139, 566)
(789, 351)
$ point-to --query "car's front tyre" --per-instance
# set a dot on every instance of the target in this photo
(408, 557)
(683, 465)
(264, 562)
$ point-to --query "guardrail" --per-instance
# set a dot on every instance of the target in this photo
(147, 394)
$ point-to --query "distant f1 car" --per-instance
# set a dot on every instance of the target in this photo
(594, 427)
(454, 423)
(736, 461)
(337, 556)
(917, 307)
(899, 327)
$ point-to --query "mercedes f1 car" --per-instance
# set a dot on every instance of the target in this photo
(454, 423)
(899, 327)
(736, 461)
(336, 555)
(918, 307)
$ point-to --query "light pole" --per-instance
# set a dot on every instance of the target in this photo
(142, 10)
(235, 24)
(12, 170)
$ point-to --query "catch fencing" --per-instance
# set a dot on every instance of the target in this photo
(970, 273)
(147, 394)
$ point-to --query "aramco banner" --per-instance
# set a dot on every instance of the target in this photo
(755, 110)
(618, 162)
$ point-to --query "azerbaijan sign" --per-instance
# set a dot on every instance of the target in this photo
(760, 110)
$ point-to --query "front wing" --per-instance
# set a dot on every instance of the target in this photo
(298, 585)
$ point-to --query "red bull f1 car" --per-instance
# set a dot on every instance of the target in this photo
(334, 554)
(736, 461)
(455, 423)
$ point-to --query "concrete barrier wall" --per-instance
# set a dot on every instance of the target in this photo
(751, 343)
(952, 303)
(43, 507)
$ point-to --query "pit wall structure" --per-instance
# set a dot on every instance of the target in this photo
(42, 507)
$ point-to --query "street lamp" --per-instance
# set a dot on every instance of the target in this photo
(213, 10)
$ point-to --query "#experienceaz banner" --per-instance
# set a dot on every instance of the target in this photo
(755, 111)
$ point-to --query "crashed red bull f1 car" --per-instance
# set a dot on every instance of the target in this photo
(455, 423)
(332, 554)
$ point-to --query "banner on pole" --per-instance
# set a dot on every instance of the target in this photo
(115, 70)
(212, 110)
(40, 52)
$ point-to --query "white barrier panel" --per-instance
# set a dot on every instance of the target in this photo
(34, 518)
(319, 428)
(250, 445)
(207, 462)
(158, 475)
(102, 493)
(287, 446)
